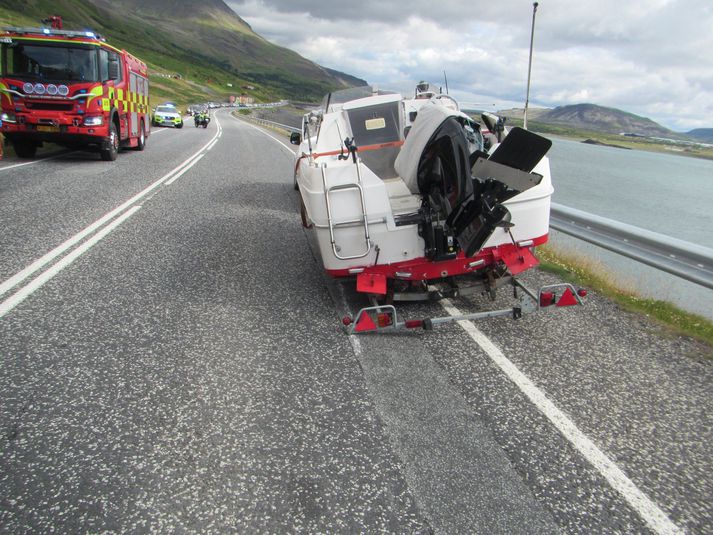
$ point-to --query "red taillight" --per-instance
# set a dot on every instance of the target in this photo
(582, 292)
(347, 321)
(383, 319)
(413, 324)
(547, 299)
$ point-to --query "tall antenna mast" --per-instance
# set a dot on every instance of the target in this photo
(446, 79)
(529, 66)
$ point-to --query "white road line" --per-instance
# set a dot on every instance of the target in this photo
(179, 175)
(41, 262)
(656, 519)
(292, 152)
(18, 297)
(39, 160)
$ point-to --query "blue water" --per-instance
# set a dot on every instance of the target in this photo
(665, 193)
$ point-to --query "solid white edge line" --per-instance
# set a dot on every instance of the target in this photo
(651, 513)
(18, 297)
(63, 247)
(40, 160)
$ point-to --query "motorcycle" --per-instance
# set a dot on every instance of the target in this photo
(201, 120)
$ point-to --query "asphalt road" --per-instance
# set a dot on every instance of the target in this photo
(179, 366)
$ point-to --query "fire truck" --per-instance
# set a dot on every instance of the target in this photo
(71, 88)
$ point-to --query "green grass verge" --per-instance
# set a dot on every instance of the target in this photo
(582, 273)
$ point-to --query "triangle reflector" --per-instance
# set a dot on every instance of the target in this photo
(568, 299)
(365, 323)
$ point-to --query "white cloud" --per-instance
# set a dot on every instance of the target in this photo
(649, 57)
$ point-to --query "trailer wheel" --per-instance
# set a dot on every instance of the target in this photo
(25, 149)
(111, 151)
(141, 145)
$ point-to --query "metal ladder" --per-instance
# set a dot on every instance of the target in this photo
(363, 220)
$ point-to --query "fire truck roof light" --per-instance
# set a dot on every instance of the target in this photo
(46, 31)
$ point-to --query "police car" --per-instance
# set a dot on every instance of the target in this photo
(167, 115)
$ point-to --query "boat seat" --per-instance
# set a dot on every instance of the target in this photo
(401, 199)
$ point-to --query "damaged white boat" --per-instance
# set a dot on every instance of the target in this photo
(404, 193)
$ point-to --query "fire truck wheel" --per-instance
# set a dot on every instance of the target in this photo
(25, 149)
(111, 151)
(141, 145)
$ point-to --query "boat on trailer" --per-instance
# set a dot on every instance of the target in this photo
(414, 199)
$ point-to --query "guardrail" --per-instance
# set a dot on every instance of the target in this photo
(689, 261)
(274, 124)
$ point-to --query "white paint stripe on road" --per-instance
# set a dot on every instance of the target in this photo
(41, 262)
(39, 160)
(656, 519)
(179, 175)
(18, 297)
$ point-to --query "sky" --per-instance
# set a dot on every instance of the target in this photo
(653, 58)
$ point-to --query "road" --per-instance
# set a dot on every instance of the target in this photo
(172, 361)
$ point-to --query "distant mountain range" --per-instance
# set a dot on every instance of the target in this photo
(606, 120)
(204, 41)
(702, 134)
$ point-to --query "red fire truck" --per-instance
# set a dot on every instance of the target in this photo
(71, 88)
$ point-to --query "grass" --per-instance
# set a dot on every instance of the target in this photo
(580, 272)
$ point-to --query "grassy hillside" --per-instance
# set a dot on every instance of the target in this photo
(603, 119)
(205, 43)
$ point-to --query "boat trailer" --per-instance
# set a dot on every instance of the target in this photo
(383, 318)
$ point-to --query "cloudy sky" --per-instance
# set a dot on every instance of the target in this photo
(649, 57)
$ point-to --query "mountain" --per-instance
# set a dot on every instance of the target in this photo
(602, 119)
(701, 134)
(204, 42)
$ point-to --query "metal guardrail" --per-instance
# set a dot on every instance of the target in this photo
(689, 261)
(274, 124)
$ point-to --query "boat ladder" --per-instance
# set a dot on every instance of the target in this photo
(363, 220)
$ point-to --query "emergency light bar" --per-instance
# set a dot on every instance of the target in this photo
(50, 31)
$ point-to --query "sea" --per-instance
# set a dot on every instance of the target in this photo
(666, 193)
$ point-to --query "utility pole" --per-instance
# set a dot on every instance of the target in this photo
(529, 66)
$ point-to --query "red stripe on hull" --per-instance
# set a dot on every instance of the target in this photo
(424, 269)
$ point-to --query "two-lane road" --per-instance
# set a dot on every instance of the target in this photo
(177, 365)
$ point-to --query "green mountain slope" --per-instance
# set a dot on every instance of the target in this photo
(602, 119)
(205, 43)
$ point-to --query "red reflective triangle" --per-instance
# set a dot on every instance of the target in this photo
(568, 299)
(365, 323)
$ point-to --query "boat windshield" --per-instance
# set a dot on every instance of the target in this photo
(353, 93)
(50, 63)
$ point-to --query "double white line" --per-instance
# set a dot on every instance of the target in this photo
(63, 255)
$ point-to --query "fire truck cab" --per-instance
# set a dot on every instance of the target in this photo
(71, 88)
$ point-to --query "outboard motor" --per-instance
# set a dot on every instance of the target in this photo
(462, 193)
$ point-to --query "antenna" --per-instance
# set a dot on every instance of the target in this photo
(529, 66)
(446, 80)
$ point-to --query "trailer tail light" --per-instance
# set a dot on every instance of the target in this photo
(547, 299)
(383, 319)
(582, 292)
